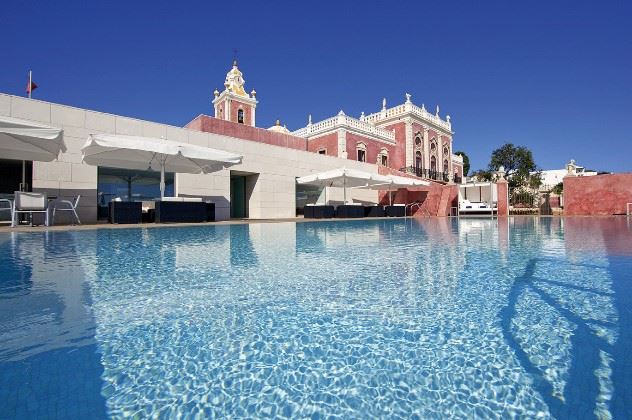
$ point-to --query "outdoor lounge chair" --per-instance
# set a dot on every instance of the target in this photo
(125, 212)
(396, 210)
(8, 207)
(70, 206)
(319, 211)
(350, 211)
(181, 210)
(29, 202)
(374, 211)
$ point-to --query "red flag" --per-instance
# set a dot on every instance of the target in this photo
(30, 86)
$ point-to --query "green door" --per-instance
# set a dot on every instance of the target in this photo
(237, 197)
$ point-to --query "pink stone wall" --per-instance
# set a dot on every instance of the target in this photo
(246, 132)
(437, 198)
(234, 108)
(503, 198)
(221, 110)
(328, 142)
(373, 148)
(398, 160)
(599, 195)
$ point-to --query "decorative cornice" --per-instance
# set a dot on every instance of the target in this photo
(233, 97)
(386, 116)
(348, 123)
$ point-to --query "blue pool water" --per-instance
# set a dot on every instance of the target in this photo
(431, 318)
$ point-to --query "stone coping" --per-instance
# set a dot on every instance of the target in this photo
(8, 228)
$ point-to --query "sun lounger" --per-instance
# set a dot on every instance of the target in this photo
(181, 210)
(374, 211)
(475, 207)
(318, 211)
(350, 211)
(29, 202)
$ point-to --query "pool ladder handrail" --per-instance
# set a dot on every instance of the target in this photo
(419, 205)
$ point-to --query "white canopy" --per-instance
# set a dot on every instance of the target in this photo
(26, 140)
(344, 178)
(145, 153)
(395, 182)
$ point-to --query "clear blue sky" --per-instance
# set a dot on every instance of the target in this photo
(555, 76)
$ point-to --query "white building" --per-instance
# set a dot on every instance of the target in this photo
(268, 172)
(553, 177)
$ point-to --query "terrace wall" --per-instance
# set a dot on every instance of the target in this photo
(599, 195)
(245, 132)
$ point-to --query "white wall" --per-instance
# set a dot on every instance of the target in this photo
(273, 195)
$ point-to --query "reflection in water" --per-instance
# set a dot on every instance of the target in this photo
(374, 318)
(43, 305)
(242, 252)
(49, 364)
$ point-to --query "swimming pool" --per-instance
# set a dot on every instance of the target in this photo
(428, 318)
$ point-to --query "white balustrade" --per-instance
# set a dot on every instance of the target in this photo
(344, 121)
(368, 125)
(401, 109)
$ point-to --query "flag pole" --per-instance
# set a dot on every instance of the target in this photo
(30, 89)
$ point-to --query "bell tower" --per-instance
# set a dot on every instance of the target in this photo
(234, 104)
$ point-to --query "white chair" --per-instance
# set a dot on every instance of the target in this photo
(71, 206)
(9, 209)
(29, 202)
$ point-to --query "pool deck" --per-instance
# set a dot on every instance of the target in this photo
(5, 228)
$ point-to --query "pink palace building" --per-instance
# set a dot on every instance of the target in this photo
(405, 137)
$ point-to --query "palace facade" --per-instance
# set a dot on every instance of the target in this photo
(406, 137)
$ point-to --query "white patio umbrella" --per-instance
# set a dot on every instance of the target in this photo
(344, 178)
(395, 183)
(27, 140)
(146, 153)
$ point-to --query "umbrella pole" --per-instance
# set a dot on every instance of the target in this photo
(24, 169)
(344, 187)
(390, 198)
(162, 180)
(129, 188)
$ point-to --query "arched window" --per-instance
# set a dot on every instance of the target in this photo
(433, 146)
(418, 164)
(445, 166)
(445, 151)
(361, 149)
(382, 158)
(433, 164)
(240, 116)
(418, 140)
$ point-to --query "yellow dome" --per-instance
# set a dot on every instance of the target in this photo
(278, 128)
